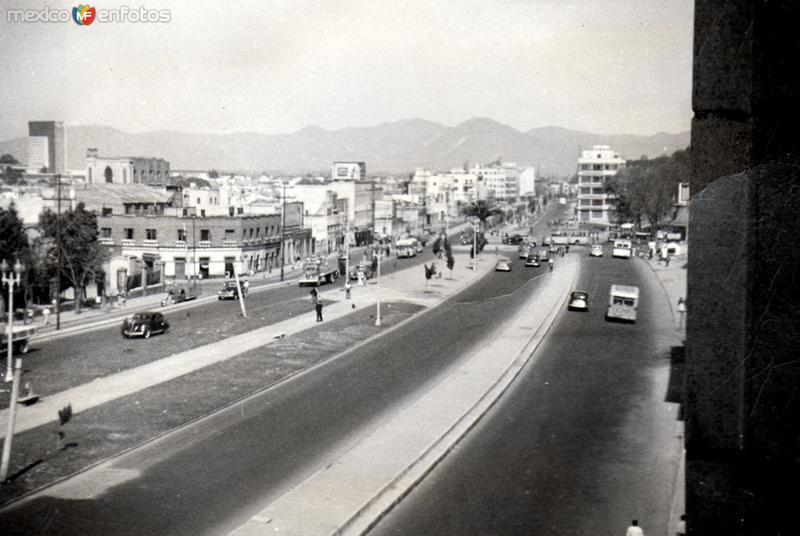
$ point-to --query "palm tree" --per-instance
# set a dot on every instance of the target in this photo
(482, 210)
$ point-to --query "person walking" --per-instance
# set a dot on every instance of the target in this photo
(347, 289)
(318, 308)
(314, 296)
(550, 263)
(681, 313)
(634, 529)
(46, 314)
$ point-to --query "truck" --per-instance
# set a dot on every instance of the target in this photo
(406, 247)
(318, 270)
(20, 337)
(623, 301)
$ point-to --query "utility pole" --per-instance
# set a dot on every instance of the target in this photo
(58, 247)
(474, 245)
(283, 228)
(347, 247)
(378, 314)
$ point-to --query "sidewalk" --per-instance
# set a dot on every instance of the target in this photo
(404, 285)
(350, 494)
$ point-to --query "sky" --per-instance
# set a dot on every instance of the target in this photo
(276, 66)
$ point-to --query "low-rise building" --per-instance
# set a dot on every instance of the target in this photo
(126, 169)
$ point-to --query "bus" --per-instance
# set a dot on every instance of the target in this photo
(623, 249)
(623, 301)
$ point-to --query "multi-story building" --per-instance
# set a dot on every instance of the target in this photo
(47, 146)
(595, 167)
(361, 196)
(501, 179)
(349, 171)
(324, 212)
(126, 169)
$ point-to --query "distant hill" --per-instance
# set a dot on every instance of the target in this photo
(396, 147)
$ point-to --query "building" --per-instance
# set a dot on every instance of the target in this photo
(350, 171)
(595, 167)
(361, 196)
(47, 146)
(126, 169)
(324, 212)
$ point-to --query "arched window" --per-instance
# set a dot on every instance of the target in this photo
(109, 174)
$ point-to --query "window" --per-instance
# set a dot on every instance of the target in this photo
(229, 235)
(182, 234)
(105, 232)
(251, 232)
(240, 210)
(150, 234)
(109, 174)
(258, 229)
(128, 232)
(105, 211)
(202, 213)
(205, 235)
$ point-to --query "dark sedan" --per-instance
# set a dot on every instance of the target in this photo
(144, 325)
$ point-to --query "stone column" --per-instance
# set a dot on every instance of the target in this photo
(743, 318)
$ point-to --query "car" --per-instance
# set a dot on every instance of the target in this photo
(365, 268)
(503, 265)
(596, 251)
(544, 254)
(230, 291)
(553, 248)
(578, 301)
(532, 260)
(144, 324)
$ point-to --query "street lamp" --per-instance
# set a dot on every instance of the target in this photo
(378, 314)
(11, 277)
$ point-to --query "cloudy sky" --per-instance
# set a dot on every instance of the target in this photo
(275, 66)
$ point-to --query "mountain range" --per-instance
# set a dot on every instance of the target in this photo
(396, 147)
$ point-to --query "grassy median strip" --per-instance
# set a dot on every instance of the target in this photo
(41, 458)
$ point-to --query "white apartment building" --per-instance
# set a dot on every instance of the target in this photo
(501, 179)
(527, 182)
(324, 213)
(595, 166)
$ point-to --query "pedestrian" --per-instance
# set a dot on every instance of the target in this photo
(314, 296)
(634, 529)
(245, 287)
(681, 312)
(347, 289)
(666, 260)
(46, 314)
(566, 248)
(318, 307)
(550, 263)
(681, 529)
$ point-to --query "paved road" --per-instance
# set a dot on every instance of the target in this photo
(56, 365)
(583, 442)
(210, 479)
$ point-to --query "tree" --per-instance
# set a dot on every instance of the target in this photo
(8, 159)
(645, 189)
(82, 256)
(450, 259)
(437, 245)
(482, 210)
(13, 241)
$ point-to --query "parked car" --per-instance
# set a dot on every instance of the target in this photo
(503, 265)
(596, 251)
(578, 301)
(532, 260)
(230, 291)
(144, 325)
(178, 293)
(365, 268)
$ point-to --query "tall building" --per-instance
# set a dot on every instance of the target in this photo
(351, 171)
(47, 146)
(595, 166)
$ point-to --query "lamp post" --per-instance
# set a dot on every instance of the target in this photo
(194, 250)
(58, 248)
(378, 314)
(474, 244)
(11, 277)
(283, 229)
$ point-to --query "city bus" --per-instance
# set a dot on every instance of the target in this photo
(623, 301)
(623, 249)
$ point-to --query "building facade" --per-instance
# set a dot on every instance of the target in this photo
(150, 171)
(595, 167)
(47, 146)
(349, 171)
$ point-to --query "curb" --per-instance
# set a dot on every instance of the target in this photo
(416, 471)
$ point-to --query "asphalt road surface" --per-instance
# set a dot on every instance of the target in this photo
(55, 365)
(209, 479)
(580, 445)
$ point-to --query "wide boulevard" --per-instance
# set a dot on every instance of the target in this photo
(211, 477)
(581, 444)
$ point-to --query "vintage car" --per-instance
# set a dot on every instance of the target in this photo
(596, 251)
(178, 293)
(503, 265)
(230, 291)
(144, 325)
(532, 261)
(365, 267)
(578, 301)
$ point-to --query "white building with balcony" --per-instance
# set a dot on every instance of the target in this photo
(595, 167)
